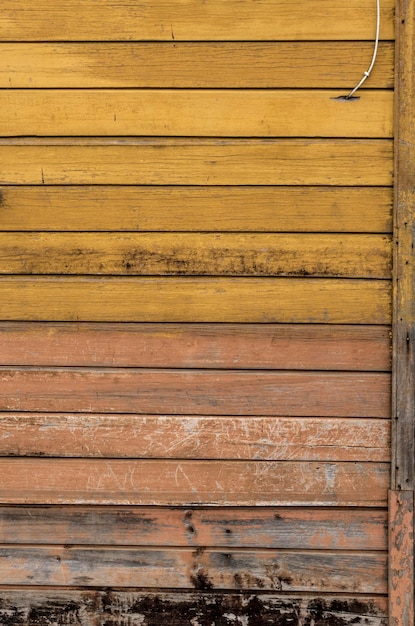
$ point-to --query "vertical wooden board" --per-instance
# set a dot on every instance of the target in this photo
(402, 569)
(401, 558)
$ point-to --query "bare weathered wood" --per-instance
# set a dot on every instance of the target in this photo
(171, 112)
(83, 608)
(107, 20)
(195, 161)
(404, 262)
(291, 64)
(198, 569)
(401, 559)
(189, 437)
(184, 483)
(157, 208)
(204, 299)
(192, 392)
(351, 256)
(258, 527)
(233, 346)
(401, 568)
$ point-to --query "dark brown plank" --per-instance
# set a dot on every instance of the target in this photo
(195, 392)
(192, 437)
(27, 607)
(184, 483)
(195, 569)
(233, 346)
(156, 208)
(258, 527)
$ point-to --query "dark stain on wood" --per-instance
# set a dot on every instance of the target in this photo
(111, 608)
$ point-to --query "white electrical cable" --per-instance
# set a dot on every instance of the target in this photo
(375, 51)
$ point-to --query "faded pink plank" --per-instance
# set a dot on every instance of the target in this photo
(196, 392)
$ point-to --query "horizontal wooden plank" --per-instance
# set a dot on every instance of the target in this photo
(190, 437)
(84, 608)
(246, 346)
(158, 161)
(169, 299)
(192, 392)
(273, 113)
(290, 64)
(258, 527)
(225, 254)
(200, 569)
(184, 483)
(266, 209)
(166, 21)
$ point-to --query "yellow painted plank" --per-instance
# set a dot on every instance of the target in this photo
(169, 299)
(190, 64)
(155, 208)
(222, 113)
(94, 20)
(196, 161)
(354, 256)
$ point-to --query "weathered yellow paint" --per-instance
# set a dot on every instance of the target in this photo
(169, 20)
(158, 208)
(354, 256)
(170, 299)
(227, 64)
(196, 161)
(226, 113)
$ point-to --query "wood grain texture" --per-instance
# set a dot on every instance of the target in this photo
(158, 161)
(290, 64)
(351, 256)
(225, 113)
(170, 299)
(404, 257)
(190, 437)
(83, 608)
(401, 557)
(248, 346)
(192, 392)
(258, 527)
(184, 483)
(401, 566)
(157, 208)
(199, 569)
(166, 20)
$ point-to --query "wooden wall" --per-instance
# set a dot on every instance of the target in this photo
(195, 300)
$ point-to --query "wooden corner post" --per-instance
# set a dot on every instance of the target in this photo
(401, 502)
